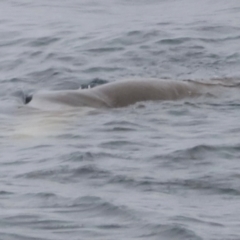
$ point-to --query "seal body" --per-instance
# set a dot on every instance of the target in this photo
(120, 93)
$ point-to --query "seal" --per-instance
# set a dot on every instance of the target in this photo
(121, 93)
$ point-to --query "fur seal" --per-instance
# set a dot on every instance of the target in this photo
(121, 93)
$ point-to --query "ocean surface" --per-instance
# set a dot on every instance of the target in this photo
(155, 170)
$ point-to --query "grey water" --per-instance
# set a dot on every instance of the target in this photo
(154, 170)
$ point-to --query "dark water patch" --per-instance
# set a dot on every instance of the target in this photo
(117, 144)
(78, 157)
(202, 152)
(125, 123)
(94, 82)
(233, 10)
(45, 195)
(193, 53)
(18, 163)
(197, 47)
(112, 226)
(12, 236)
(79, 62)
(119, 126)
(171, 231)
(42, 41)
(174, 41)
(233, 58)
(120, 129)
(180, 232)
(67, 84)
(134, 33)
(5, 193)
(42, 146)
(3, 21)
(49, 76)
(146, 184)
(65, 174)
(11, 65)
(38, 222)
(145, 35)
(66, 59)
(189, 40)
(13, 42)
(164, 23)
(136, 37)
(91, 207)
(51, 55)
(217, 29)
(90, 171)
(196, 221)
(74, 136)
(13, 80)
(32, 54)
(43, 200)
(201, 156)
(93, 156)
(51, 173)
(105, 50)
(101, 69)
(179, 111)
(121, 179)
(207, 185)
(147, 47)
(89, 156)
(99, 206)
(219, 40)
(157, 52)
(214, 57)
(50, 72)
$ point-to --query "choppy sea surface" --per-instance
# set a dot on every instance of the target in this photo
(157, 170)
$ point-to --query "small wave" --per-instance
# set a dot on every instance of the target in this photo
(171, 232)
(135, 37)
(120, 129)
(66, 174)
(217, 29)
(39, 222)
(174, 41)
(112, 226)
(181, 40)
(207, 184)
(105, 49)
(42, 41)
(101, 69)
(13, 42)
(121, 125)
(116, 144)
(13, 236)
(3, 193)
(90, 171)
(192, 220)
(180, 232)
(45, 73)
(87, 204)
(92, 203)
(78, 157)
(202, 152)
